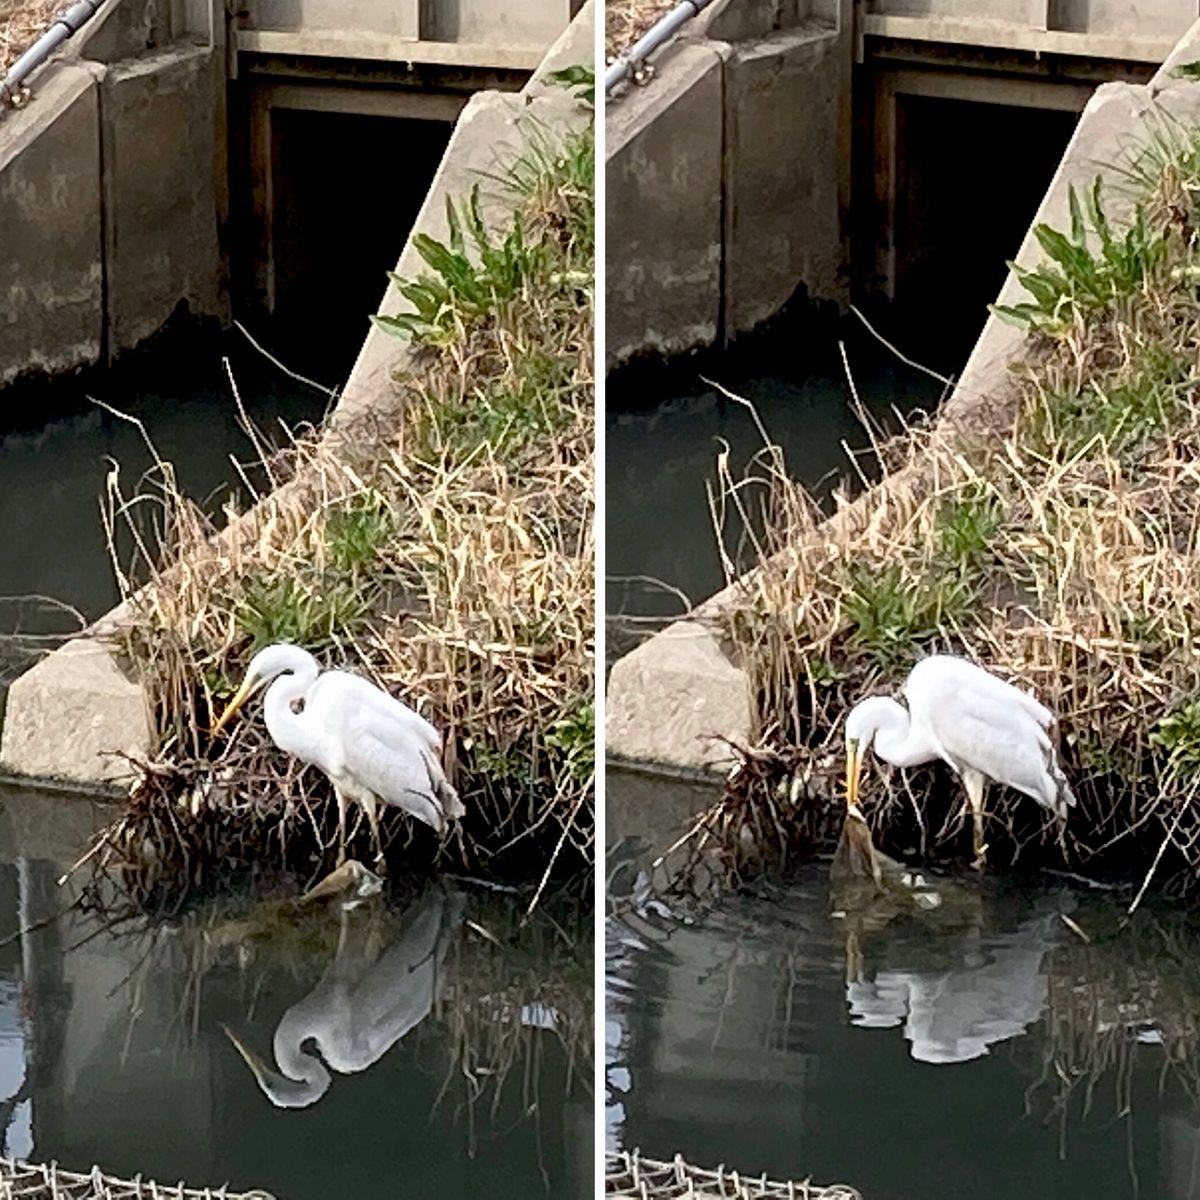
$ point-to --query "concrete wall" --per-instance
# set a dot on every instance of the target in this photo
(51, 282)
(531, 22)
(113, 188)
(164, 184)
(398, 18)
(1118, 18)
(728, 177)
(664, 173)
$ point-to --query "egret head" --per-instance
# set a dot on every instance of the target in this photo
(863, 722)
(285, 1090)
(266, 665)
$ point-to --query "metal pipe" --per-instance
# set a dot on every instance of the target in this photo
(66, 23)
(650, 41)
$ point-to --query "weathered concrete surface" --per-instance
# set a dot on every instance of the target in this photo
(400, 18)
(787, 147)
(71, 717)
(745, 124)
(529, 23)
(113, 189)
(51, 287)
(699, 698)
(1113, 18)
(491, 131)
(651, 680)
(161, 229)
(68, 714)
(663, 172)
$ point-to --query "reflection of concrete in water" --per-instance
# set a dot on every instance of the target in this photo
(954, 1014)
(364, 1004)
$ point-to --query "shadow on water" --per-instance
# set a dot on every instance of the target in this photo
(665, 427)
(340, 1052)
(997, 1052)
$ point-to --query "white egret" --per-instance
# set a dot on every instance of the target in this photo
(984, 728)
(373, 748)
(363, 1005)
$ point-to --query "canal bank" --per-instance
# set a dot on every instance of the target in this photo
(1023, 530)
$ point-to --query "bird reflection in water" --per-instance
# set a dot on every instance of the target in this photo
(969, 992)
(370, 996)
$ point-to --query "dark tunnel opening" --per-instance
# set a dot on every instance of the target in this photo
(347, 190)
(970, 178)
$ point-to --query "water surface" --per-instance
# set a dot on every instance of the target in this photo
(992, 1051)
(403, 1053)
(665, 428)
(58, 448)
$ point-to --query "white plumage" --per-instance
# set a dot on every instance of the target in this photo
(984, 728)
(364, 1004)
(373, 748)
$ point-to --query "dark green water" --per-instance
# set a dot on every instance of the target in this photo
(423, 1060)
(991, 1053)
(57, 448)
(665, 428)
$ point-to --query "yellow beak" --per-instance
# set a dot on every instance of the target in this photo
(853, 767)
(243, 694)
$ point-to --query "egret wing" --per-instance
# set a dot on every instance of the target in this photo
(1001, 740)
(398, 776)
(393, 720)
(945, 670)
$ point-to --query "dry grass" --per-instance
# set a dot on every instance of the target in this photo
(1060, 549)
(627, 20)
(448, 557)
(21, 23)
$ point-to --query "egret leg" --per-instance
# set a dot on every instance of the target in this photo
(341, 803)
(372, 810)
(974, 782)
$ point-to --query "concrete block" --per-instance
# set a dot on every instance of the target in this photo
(401, 18)
(163, 190)
(787, 148)
(68, 716)
(51, 287)
(663, 226)
(671, 700)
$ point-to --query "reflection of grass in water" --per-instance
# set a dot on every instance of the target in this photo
(1099, 995)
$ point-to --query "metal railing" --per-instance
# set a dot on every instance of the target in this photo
(14, 91)
(632, 64)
